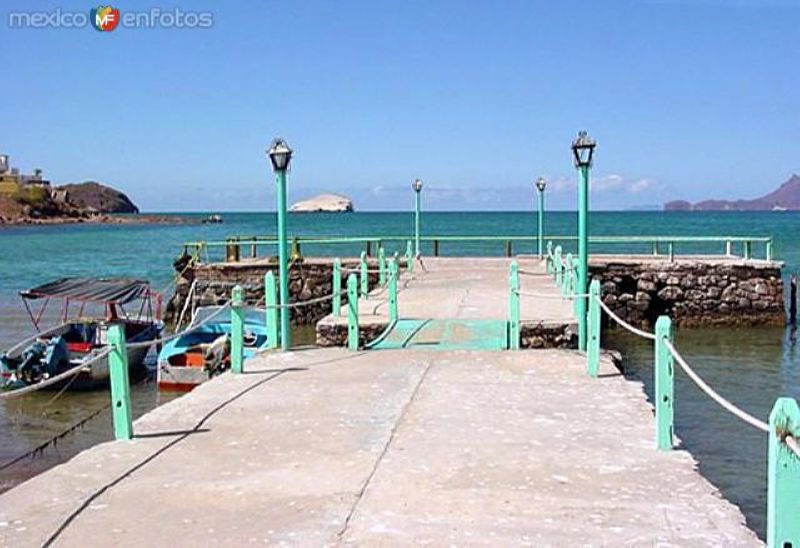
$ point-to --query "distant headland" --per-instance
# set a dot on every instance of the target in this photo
(784, 198)
(30, 199)
(324, 203)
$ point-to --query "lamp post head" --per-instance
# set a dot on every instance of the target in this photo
(583, 150)
(541, 184)
(416, 185)
(280, 155)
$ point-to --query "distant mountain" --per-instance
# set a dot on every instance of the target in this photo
(786, 197)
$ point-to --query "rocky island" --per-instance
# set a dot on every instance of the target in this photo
(786, 197)
(324, 203)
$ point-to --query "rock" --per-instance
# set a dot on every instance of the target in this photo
(324, 203)
(670, 293)
(645, 285)
(96, 197)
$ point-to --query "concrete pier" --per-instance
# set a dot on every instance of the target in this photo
(390, 447)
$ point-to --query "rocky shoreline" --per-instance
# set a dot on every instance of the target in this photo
(97, 219)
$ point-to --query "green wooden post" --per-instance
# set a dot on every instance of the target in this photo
(364, 276)
(747, 249)
(768, 250)
(237, 329)
(671, 251)
(558, 266)
(593, 345)
(337, 287)
(573, 290)
(728, 248)
(664, 385)
(352, 312)
(409, 257)
(513, 307)
(655, 248)
(566, 279)
(120, 383)
(549, 261)
(271, 305)
(783, 476)
(381, 267)
(393, 272)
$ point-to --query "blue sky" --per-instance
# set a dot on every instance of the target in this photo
(687, 99)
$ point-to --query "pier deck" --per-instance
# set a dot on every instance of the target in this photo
(328, 446)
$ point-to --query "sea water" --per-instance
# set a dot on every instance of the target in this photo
(751, 367)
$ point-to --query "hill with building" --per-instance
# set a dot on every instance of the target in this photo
(32, 199)
(785, 197)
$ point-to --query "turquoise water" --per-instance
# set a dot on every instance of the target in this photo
(749, 366)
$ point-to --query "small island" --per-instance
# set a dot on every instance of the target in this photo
(784, 198)
(324, 203)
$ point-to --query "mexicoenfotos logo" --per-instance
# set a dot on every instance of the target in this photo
(104, 18)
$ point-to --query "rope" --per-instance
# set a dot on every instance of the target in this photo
(791, 443)
(308, 302)
(180, 333)
(529, 273)
(746, 417)
(551, 296)
(52, 380)
(623, 323)
(358, 270)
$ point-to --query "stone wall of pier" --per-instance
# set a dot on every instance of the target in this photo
(693, 292)
(308, 279)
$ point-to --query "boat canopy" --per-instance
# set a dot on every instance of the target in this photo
(105, 290)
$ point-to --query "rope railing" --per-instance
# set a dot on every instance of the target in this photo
(552, 295)
(315, 300)
(713, 394)
(623, 323)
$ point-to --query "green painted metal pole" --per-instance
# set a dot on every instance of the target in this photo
(381, 267)
(417, 203)
(566, 279)
(664, 384)
(513, 307)
(573, 289)
(768, 250)
(671, 251)
(409, 257)
(352, 312)
(364, 278)
(549, 261)
(583, 251)
(540, 228)
(283, 260)
(271, 305)
(337, 287)
(393, 274)
(237, 329)
(747, 249)
(593, 347)
(120, 383)
(783, 476)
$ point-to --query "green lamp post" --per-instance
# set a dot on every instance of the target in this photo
(583, 152)
(280, 155)
(540, 186)
(417, 186)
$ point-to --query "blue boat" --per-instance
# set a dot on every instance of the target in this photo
(204, 350)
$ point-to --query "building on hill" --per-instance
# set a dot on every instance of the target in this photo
(11, 180)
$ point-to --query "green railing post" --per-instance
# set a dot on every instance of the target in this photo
(566, 279)
(381, 267)
(364, 276)
(783, 476)
(573, 290)
(768, 250)
(558, 267)
(513, 307)
(237, 329)
(120, 383)
(671, 251)
(655, 248)
(352, 312)
(664, 384)
(337, 287)
(593, 345)
(549, 261)
(728, 248)
(271, 305)
(747, 249)
(409, 257)
(393, 273)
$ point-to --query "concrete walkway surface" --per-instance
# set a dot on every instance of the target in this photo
(330, 447)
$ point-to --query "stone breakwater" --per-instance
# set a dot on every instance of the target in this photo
(693, 292)
(308, 279)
